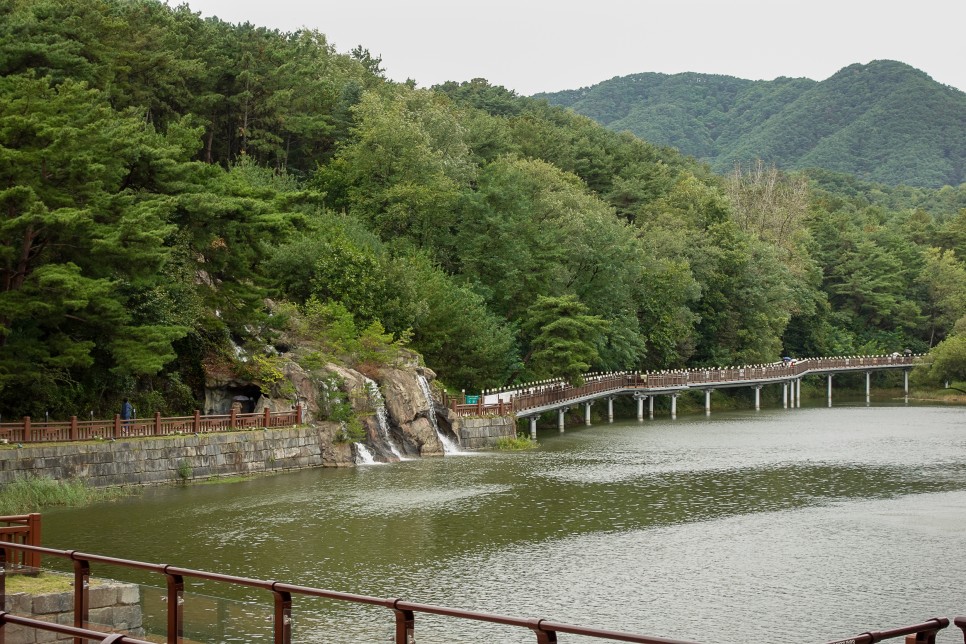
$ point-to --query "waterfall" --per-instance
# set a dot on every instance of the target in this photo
(363, 455)
(449, 445)
(382, 417)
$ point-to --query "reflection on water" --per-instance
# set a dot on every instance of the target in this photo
(805, 524)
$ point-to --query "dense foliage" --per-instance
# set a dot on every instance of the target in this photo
(177, 192)
(884, 122)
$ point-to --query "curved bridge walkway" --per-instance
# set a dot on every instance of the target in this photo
(534, 399)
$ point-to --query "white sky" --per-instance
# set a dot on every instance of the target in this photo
(542, 45)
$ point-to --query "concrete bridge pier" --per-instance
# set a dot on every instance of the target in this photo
(757, 397)
(798, 392)
(674, 405)
(868, 386)
(707, 401)
(905, 374)
(640, 406)
(587, 411)
(561, 419)
(830, 390)
(533, 427)
(650, 407)
(610, 409)
(784, 395)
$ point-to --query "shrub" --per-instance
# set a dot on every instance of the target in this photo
(520, 442)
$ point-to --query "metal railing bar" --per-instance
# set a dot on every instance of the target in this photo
(63, 629)
(283, 591)
(607, 634)
(932, 625)
(404, 611)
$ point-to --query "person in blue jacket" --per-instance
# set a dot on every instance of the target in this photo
(127, 413)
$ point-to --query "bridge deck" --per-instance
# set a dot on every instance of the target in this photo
(537, 398)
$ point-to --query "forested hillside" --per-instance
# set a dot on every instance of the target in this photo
(181, 194)
(885, 121)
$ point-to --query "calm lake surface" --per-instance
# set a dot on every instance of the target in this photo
(800, 525)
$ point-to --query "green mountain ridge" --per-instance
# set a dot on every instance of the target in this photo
(885, 121)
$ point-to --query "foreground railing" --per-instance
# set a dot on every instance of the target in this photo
(404, 613)
(79, 634)
(22, 528)
(28, 430)
(924, 633)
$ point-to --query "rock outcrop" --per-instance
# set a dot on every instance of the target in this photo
(411, 410)
(392, 404)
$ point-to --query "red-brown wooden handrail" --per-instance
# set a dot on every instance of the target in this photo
(29, 430)
(404, 612)
(23, 528)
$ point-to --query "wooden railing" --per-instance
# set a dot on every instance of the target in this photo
(30, 431)
(24, 529)
(546, 393)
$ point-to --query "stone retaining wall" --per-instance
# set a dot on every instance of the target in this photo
(117, 606)
(147, 461)
(484, 431)
(158, 460)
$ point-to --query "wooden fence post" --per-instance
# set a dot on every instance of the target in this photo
(73, 428)
(231, 417)
(26, 429)
(157, 423)
(117, 426)
(267, 418)
(197, 421)
(33, 539)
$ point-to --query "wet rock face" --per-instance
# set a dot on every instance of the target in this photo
(394, 405)
(410, 410)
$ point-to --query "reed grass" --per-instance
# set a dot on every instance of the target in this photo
(34, 493)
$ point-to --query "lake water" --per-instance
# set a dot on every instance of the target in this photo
(801, 525)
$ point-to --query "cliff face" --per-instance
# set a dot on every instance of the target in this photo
(410, 406)
(393, 405)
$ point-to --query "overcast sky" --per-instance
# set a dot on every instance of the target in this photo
(539, 45)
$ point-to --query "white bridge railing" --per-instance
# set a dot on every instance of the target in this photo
(550, 393)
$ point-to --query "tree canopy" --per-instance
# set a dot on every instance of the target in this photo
(179, 191)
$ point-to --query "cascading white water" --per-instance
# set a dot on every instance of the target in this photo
(363, 455)
(449, 445)
(382, 416)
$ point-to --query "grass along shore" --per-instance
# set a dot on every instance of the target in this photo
(32, 494)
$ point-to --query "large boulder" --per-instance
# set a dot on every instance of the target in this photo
(411, 408)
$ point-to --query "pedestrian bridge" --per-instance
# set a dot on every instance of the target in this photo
(534, 399)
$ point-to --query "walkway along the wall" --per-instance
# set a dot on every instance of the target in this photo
(159, 460)
(28, 430)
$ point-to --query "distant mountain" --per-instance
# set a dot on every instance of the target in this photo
(885, 121)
